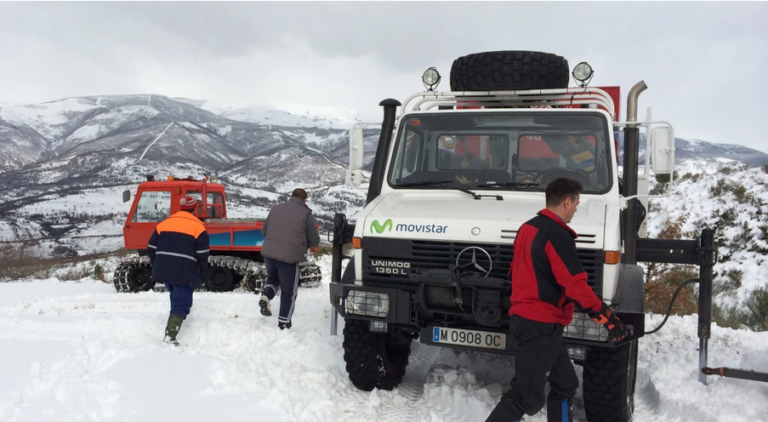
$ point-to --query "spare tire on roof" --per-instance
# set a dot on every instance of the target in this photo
(509, 70)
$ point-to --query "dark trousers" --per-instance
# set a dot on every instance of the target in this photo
(181, 299)
(542, 357)
(284, 276)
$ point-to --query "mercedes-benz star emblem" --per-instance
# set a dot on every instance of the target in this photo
(475, 264)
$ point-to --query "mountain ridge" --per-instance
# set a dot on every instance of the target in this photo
(51, 152)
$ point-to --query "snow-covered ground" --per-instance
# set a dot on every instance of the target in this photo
(78, 351)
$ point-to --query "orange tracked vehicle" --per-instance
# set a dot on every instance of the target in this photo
(235, 257)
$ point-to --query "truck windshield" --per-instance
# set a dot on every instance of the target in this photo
(510, 151)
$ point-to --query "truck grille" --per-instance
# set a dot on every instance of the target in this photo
(391, 260)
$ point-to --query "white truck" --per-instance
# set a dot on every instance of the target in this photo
(455, 175)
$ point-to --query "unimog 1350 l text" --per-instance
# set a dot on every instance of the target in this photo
(454, 177)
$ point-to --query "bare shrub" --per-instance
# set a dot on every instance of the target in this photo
(757, 303)
(20, 260)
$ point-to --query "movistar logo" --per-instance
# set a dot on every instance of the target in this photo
(375, 225)
(411, 228)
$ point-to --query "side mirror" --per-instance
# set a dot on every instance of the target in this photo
(355, 169)
(126, 196)
(663, 150)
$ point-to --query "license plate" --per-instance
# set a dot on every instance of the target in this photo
(471, 338)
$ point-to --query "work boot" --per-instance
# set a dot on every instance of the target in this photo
(172, 329)
(266, 309)
(284, 325)
(559, 410)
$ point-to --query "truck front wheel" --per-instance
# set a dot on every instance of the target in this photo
(374, 360)
(609, 383)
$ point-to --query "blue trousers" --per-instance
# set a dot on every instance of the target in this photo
(284, 276)
(181, 299)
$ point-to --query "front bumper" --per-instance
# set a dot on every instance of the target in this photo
(408, 308)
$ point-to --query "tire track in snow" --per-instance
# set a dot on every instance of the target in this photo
(414, 406)
(412, 386)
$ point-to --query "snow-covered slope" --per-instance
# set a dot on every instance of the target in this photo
(734, 202)
(79, 351)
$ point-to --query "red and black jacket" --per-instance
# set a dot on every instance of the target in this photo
(547, 276)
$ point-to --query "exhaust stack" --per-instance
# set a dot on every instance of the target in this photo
(385, 140)
(631, 150)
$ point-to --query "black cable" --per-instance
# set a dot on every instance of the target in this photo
(672, 303)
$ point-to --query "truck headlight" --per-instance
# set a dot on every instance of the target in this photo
(582, 327)
(361, 302)
(582, 72)
(431, 78)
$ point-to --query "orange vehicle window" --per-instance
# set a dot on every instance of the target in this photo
(153, 207)
(215, 204)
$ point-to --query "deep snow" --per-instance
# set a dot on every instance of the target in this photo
(78, 351)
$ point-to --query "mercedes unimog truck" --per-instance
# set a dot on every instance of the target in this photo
(454, 177)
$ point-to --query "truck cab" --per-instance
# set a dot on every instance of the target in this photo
(157, 200)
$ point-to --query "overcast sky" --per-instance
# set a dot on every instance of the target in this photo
(706, 64)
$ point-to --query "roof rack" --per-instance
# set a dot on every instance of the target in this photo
(537, 98)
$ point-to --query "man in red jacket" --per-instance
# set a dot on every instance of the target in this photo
(547, 281)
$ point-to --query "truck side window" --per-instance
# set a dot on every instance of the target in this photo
(153, 207)
(408, 156)
(215, 204)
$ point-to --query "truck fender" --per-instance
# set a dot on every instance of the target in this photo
(349, 273)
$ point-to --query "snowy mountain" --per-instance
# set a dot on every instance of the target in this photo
(64, 163)
(287, 114)
(53, 153)
(709, 152)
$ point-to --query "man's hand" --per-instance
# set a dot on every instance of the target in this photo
(616, 330)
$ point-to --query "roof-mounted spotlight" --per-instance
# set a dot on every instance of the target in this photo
(583, 73)
(431, 79)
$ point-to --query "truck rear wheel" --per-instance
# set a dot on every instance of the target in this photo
(133, 277)
(374, 360)
(509, 70)
(219, 279)
(609, 383)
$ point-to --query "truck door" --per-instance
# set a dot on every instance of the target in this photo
(151, 208)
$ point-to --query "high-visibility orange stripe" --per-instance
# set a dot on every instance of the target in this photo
(179, 224)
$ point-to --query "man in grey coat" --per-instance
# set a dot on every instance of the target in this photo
(288, 232)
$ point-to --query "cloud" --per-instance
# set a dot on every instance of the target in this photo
(703, 62)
